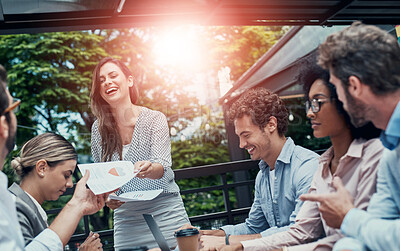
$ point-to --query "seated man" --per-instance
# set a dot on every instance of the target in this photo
(286, 170)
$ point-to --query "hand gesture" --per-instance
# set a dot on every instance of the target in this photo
(92, 243)
(114, 204)
(333, 206)
(85, 198)
(144, 169)
(211, 242)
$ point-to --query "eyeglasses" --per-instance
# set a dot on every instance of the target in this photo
(315, 104)
(13, 107)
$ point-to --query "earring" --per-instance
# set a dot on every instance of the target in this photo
(42, 174)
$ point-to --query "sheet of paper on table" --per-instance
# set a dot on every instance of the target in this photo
(108, 176)
(136, 195)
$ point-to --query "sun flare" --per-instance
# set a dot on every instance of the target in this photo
(179, 47)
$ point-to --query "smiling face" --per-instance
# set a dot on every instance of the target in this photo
(257, 142)
(57, 179)
(114, 85)
(326, 122)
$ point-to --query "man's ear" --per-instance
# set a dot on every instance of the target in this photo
(4, 127)
(272, 124)
(356, 87)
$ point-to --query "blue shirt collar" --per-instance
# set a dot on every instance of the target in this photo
(391, 136)
(284, 156)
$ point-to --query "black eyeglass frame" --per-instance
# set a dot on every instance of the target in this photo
(315, 104)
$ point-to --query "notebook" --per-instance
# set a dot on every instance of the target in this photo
(155, 230)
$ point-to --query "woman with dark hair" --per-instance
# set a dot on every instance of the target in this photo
(45, 168)
(353, 156)
(126, 131)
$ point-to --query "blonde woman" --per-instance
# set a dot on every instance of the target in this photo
(45, 167)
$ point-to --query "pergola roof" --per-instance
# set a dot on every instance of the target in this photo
(27, 16)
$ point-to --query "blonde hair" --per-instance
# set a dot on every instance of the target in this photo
(51, 147)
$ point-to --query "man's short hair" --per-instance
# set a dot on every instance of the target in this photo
(260, 104)
(364, 51)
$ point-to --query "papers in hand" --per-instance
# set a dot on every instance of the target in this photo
(136, 195)
(108, 176)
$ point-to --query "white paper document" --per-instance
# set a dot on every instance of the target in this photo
(136, 195)
(108, 176)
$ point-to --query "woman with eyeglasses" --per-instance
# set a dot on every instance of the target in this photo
(353, 156)
(45, 168)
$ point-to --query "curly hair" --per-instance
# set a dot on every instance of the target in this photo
(309, 72)
(260, 104)
(364, 51)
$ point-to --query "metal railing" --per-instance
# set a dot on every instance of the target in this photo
(221, 169)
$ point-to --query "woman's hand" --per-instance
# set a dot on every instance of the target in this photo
(146, 169)
(91, 243)
(113, 204)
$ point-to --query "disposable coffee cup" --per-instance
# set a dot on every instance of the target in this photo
(138, 248)
(188, 239)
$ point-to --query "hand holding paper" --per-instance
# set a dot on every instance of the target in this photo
(108, 176)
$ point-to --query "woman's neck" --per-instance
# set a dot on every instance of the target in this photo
(340, 144)
(30, 186)
(126, 115)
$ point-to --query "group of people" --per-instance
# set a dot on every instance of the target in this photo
(352, 201)
(345, 199)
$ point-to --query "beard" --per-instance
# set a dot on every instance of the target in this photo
(10, 142)
(357, 111)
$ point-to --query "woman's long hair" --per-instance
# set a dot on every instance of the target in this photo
(110, 138)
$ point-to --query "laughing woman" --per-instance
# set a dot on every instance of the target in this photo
(45, 168)
(126, 131)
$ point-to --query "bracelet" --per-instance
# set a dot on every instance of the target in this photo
(227, 239)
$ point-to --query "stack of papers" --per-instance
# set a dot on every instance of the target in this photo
(108, 176)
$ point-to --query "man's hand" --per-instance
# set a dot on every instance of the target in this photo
(333, 206)
(211, 242)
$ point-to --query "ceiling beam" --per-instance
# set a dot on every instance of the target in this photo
(334, 11)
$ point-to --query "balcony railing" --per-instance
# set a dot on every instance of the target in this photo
(227, 216)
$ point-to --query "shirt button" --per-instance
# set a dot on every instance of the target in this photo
(274, 201)
(275, 178)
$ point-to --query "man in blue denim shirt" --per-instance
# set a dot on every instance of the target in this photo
(286, 170)
(364, 63)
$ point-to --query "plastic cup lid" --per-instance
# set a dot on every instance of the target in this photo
(186, 232)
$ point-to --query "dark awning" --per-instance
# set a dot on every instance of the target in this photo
(20, 16)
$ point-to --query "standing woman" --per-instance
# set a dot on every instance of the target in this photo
(126, 131)
(45, 167)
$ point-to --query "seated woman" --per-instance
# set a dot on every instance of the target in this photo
(45, 168)
(353, 157)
